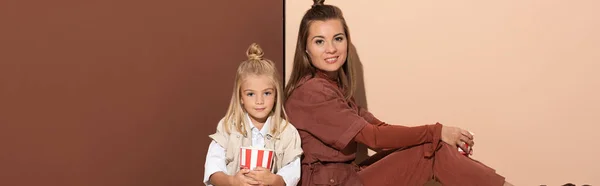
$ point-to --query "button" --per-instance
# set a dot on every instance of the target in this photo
(331, 180)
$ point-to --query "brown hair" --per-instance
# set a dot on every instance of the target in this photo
(255, 65)
(302, 66)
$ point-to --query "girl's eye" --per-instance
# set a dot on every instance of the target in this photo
(268, 93)
(250, 94)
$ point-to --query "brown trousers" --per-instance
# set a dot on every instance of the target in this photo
(410, 167)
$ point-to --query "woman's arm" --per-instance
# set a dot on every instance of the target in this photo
(364, 113)
(319, 108)
(395, 136)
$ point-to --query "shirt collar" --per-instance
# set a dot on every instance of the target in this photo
(265, 129)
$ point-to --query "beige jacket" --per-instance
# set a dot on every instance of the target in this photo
(286, 145)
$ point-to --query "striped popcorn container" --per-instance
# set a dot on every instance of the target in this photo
(252, 157)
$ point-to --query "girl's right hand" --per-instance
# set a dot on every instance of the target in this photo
(240, 179)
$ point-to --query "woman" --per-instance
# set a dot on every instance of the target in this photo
(320, 103)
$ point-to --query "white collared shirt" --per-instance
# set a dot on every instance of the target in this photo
(215, 157)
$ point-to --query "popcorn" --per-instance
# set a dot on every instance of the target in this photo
(252, 157)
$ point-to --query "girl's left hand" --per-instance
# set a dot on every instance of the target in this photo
(263, 176)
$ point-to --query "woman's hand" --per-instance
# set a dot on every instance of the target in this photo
(240, 179)
(458, 137)
(265, 177)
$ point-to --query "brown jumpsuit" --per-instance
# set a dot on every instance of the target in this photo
(331, 126)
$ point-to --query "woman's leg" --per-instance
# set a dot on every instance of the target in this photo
(401, 167)
(410, 167)
(453, 168)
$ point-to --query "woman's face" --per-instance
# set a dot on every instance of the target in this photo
(327, 45)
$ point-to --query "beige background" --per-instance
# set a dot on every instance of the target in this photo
(522, 75)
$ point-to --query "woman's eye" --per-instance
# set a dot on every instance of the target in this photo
(339, 38)
(319, 42)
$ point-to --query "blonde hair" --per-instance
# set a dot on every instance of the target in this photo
(255, 65)
(303, 67)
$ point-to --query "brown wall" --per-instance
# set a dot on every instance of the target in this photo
(522, 75)
(120, 92)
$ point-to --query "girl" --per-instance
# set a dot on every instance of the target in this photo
(321, 105)
(255, 118)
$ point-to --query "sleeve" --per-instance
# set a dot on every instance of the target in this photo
(293, 149)
(395, 136)
(370, 117)
(215, 161)
(291, 172)
(220, 137)
(320, 109)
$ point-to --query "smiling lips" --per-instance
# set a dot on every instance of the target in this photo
(331, 60)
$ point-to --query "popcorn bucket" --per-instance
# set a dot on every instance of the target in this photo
(252, 157)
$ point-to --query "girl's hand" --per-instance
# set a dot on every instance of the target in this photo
(240, 179)
(265, 177)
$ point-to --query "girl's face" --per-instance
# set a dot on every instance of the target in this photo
(327, 45)
(258, 96)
